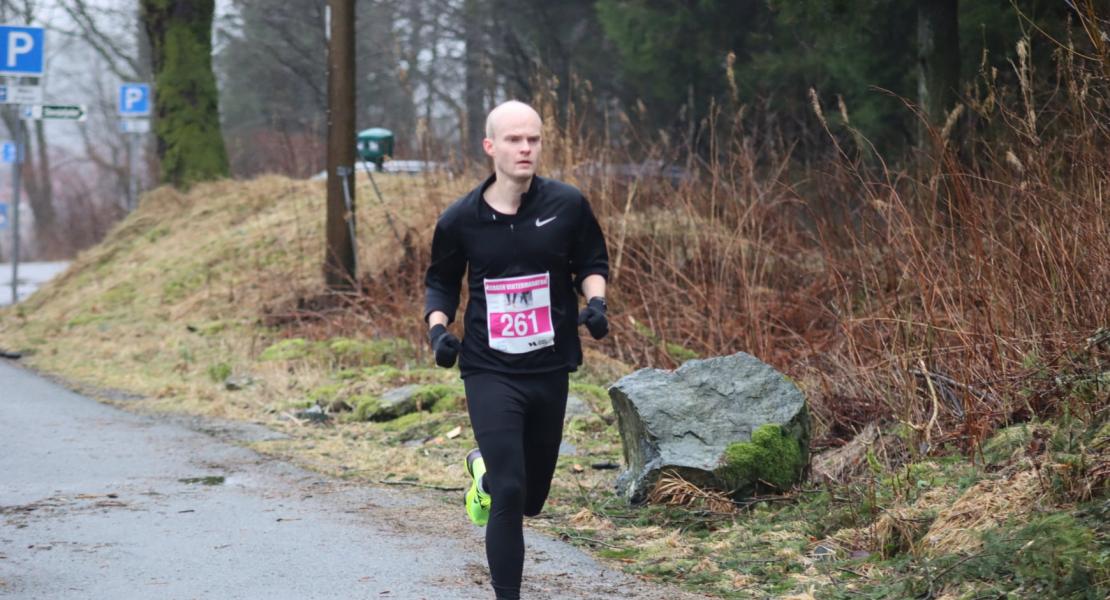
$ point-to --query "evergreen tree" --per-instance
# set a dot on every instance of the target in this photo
(673, 52)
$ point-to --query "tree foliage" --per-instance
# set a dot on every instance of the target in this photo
(187, 125)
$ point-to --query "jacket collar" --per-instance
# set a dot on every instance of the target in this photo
(486, 213)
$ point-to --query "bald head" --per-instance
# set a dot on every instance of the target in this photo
(511, 112)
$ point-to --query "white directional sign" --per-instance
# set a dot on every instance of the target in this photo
(134, 100)
(21, 50)
(20, 94)
(134, 125)
(8, 152)
(64, 112)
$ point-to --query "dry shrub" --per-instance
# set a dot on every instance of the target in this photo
(672, 489)
(936, 292)
(985, 506)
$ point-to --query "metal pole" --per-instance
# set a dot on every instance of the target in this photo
(15, 201)
(132, 182)
(345, 173)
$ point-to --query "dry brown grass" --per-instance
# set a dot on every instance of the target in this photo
(673, 490)
(936, 293)
(985, 506)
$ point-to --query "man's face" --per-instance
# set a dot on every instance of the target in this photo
(515, 146)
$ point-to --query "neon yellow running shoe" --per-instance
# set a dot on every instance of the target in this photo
(477, 501)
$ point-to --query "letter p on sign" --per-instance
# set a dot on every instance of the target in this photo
(19, 42)
(134, 100)
(21, 50)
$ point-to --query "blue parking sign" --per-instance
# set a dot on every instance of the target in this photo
(134, 100)
(3, 215)
(21, 50)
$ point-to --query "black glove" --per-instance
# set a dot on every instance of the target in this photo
(445, 345)
(593, 316)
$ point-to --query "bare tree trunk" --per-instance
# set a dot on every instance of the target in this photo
(42, 203)
(938, 51)
(474, 126)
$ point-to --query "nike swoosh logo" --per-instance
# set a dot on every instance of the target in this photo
(540, 223)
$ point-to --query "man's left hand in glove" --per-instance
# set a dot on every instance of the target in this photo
(593, 317)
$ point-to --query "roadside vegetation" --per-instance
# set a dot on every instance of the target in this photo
(947, 322)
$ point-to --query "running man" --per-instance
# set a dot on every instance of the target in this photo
(516, 235)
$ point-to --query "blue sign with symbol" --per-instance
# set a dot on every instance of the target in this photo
(134, 100)
(21, 50)
(3, 215)
(8, 153)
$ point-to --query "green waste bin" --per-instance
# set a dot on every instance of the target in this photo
(375, 144)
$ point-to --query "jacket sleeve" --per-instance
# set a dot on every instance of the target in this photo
(443, 280)
(589, 255)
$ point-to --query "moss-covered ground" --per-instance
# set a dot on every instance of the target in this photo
(194, 291)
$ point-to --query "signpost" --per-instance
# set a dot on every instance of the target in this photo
(134, 108)
(18, 145)
(62, 112)
(22, 54)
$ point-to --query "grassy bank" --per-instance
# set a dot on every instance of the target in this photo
(223, 285)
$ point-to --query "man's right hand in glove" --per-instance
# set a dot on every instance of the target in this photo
(445, 345)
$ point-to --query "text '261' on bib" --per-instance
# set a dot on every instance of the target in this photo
(518, 313)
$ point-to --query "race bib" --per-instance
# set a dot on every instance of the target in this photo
(518, 313)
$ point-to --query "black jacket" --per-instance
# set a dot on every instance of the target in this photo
(554, 231)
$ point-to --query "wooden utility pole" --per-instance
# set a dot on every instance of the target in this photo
(339, 257)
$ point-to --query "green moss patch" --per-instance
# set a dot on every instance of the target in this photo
(291, 349)
(771, 457)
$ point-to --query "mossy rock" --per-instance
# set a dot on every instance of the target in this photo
(699, 421)
(439, 397)
(366, 407)
(773, 456)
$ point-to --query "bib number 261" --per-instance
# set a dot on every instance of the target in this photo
(519, 324)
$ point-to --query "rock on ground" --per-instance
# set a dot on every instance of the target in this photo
(684, 420)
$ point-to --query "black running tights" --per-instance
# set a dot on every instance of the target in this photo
(518, 422)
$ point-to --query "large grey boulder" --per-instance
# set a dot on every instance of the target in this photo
(699, 421)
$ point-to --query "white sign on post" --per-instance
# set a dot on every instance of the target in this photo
(134, 125)
(20, 94)
(21, 50)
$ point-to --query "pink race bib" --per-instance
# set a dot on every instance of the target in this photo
(518, 313)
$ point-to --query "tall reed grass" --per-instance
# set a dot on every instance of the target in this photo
(952, 293)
